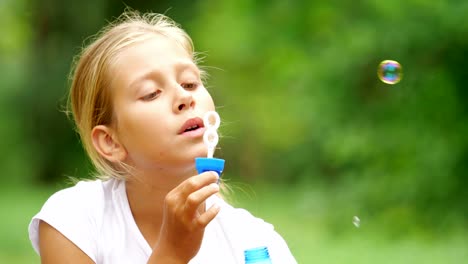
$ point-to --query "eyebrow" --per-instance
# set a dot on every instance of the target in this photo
(184, 65)
(179, 67)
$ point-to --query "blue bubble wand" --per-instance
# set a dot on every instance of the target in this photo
(211, 122)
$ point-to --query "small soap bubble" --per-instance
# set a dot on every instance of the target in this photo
(390, 71)
(356, 221)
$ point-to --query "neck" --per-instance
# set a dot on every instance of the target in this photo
(146, 193)
(146, 190)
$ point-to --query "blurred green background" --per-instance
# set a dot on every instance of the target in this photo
(310, 135)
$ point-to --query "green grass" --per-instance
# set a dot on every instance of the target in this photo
(18, 206)
(300, 215)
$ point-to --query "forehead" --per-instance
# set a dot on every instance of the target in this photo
(156, 51)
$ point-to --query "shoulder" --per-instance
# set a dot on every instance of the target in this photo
(82, 193)
(85, 196)
(75, 212)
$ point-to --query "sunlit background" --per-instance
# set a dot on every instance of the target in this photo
(348, 168)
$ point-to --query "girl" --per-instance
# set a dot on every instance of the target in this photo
(138, 100)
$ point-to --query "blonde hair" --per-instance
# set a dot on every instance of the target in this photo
(90, 94)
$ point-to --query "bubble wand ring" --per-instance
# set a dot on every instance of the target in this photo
(210, 137)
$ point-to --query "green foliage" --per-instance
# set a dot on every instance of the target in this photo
(303, 103)
(296, 86)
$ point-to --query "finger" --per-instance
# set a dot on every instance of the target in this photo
(195, 199)
(204, 219)
(197, 182)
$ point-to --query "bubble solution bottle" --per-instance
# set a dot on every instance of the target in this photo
(257, 255)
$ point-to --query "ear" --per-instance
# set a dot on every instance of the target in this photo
(107, 144)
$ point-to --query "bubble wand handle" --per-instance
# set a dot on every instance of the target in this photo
(211, 121)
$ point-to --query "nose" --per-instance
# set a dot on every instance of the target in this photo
(183, 100)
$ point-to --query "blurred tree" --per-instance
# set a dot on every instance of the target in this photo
(16, 34)
(303, 103)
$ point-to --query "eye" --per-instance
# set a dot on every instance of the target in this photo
(151, 96)
(190, 85)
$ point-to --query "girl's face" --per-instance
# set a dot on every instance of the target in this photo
(159, 102)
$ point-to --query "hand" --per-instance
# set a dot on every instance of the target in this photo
(184, 220)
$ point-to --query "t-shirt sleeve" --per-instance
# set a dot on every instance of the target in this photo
(74, 213)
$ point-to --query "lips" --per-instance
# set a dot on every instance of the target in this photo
(191, 125)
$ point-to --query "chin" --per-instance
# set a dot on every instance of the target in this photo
(199, 155)
(190, 157)
(200, 152)
(196, 152)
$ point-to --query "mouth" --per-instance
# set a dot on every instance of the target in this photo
(190, 125)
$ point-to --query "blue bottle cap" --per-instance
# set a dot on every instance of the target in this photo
(258, 255)
(209, 164)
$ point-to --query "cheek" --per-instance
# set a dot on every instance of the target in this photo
(145, 140)
(137, 128)
(207, 100)
(143, 127)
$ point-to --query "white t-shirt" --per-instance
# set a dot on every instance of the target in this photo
(96, 217)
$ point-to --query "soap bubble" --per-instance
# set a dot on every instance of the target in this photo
(389, 71)
(356, 221)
